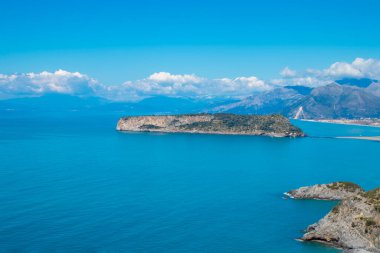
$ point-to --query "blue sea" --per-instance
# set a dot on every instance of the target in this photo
(71, 183)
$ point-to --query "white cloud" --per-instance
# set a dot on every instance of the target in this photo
(310, 81)
(166, 84)
(342, 69)
(368, 67)
(160, 83)
(287, 72)
(165, 77)
(359, 68)
(35, 84)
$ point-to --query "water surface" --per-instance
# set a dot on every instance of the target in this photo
(74, 184)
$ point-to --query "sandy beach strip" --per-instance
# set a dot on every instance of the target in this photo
(369, 138)
(346, 122)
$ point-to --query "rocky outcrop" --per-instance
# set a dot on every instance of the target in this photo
(268, 125)
(332, 191)
(354, 224)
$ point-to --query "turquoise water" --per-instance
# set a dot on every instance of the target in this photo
(74, 184)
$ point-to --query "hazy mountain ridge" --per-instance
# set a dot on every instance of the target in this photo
(339, 101)
(60, 104)
(279, 100)
(360, 99)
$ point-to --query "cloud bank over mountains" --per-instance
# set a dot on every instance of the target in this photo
(36, 84)
(157, 84)
(186, 85)
(359, 68)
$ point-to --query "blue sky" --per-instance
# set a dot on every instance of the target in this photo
(115, 41)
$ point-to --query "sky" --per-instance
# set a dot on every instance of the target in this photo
(124, 43)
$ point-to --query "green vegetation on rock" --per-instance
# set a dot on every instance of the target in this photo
(270, 125)
(348, 186)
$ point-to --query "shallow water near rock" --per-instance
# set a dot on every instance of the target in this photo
(74, 184)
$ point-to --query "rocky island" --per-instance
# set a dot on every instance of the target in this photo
(267, 125)
(354, 224)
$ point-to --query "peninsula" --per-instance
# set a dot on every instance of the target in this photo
(354, 224)
(267, 125)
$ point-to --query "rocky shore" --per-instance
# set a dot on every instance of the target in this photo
(267, 125)
(354, 224)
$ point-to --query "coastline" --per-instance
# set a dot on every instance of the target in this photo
(272, 135)
(352, 224)
(365, 123)
(368, 138)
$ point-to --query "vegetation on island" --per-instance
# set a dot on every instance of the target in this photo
(348, 186)
(243, 123)
(274, 125)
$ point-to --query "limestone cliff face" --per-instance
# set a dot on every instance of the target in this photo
(354, 224)
(270, 125)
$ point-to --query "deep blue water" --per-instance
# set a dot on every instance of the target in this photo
(74, 184)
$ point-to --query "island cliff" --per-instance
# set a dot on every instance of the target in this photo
(268, 125)
(354, 224)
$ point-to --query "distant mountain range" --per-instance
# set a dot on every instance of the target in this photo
(346, 98)
(63, 104)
